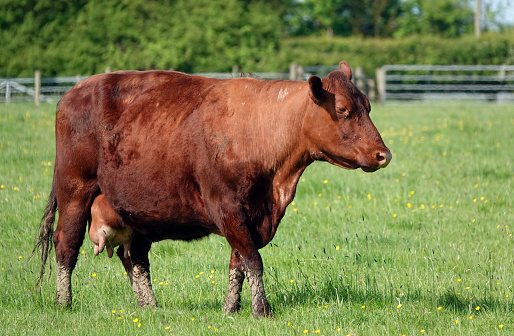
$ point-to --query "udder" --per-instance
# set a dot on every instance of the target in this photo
(107, 229)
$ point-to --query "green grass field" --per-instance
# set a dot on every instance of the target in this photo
(421, 247)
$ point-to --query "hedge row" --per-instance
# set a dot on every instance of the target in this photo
(369, 53)
(491, 49)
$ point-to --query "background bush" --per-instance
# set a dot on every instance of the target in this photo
(87, 36)
(371, 53)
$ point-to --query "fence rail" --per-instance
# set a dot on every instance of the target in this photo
(392, 82)
(421, 82)
(36, 89)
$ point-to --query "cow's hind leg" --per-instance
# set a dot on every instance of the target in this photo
(235, 284)
(68, 237)
(137, 266)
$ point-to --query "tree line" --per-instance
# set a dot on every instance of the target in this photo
(67, 37)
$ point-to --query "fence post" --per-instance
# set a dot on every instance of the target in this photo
(501, 74)
(37, 86)
(372, 90)
(358, 78)
(236, 72)
(7, 91)
(299, 73)
(295, 71)
(380, 74)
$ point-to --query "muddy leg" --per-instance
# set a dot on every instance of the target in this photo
(138, 270)
(240, 239)
(235, 284)
(63, 297)
(68, 238)
(260, 305)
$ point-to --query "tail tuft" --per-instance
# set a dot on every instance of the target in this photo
(46, 232)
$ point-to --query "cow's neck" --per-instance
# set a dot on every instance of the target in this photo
(277, 121)
(290, 156)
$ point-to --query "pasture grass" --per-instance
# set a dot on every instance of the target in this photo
(421, 247)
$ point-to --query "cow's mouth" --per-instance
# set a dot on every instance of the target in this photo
(368, 169)
(351, 164)
(342, 162)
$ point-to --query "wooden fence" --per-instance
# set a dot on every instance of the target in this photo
(424, 82)
(36, 89)
(392, 82)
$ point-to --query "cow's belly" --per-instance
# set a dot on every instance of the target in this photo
(161, 201)
(167, 220)
(177, 231)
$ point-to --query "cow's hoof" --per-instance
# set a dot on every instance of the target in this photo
(146, 299)
(262, 310)
(63, 303)
(147, 303)
(231, 307)
(263, 314)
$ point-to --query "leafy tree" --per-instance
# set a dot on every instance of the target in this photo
(68, 37)
(86, 36)
(346, 17)
(447, 18)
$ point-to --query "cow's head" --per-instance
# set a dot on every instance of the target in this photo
(339, 127)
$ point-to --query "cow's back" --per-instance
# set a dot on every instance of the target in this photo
(124, 96)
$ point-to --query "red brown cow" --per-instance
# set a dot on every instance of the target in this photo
(176, 156)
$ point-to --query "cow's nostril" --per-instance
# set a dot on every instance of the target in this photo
(383, 158)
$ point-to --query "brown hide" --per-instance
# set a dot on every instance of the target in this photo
(177, 156)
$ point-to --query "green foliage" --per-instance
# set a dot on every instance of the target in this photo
(447, 18)
(346, 17)
(417, 246)
(370, 53)
(87, 36)
(186, 35)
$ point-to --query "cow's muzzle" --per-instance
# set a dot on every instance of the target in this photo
(383, 158)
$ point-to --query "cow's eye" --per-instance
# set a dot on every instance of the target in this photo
(343, 111)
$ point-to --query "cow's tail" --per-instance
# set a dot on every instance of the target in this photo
(46, 232)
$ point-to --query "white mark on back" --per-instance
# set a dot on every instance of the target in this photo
(282, 94)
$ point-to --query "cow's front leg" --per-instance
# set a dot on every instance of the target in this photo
(240, 239)
(137, 266)
(235, 284)
(260, 305)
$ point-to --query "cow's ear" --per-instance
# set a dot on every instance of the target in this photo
(317, 93)
(345, 68)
